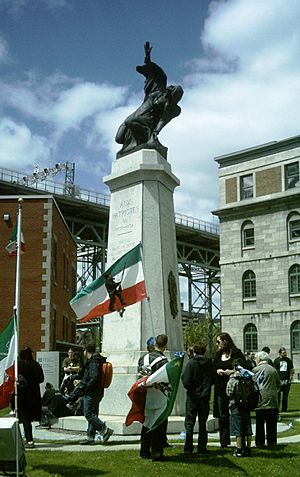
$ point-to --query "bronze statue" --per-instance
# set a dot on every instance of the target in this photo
(141, 128)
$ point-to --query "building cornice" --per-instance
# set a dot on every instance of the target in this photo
(258, 151)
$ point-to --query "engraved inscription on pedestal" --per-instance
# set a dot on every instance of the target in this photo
(125, 224)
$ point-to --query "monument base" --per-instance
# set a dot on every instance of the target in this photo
(142, 211)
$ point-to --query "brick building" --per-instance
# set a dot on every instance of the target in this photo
(260, 247)
(48, 273)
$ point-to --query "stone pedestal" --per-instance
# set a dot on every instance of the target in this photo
(141, 210)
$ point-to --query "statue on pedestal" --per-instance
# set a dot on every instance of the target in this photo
(140, 129)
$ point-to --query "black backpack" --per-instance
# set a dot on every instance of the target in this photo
(247, 395)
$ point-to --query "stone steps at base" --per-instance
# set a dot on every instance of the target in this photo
(117, 423)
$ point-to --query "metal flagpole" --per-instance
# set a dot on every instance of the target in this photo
(17, 324)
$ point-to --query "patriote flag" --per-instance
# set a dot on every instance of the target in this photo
(7, 361)
(11, 247)
(153, 396)
(125, 277)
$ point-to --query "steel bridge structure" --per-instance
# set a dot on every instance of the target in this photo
(87, 214)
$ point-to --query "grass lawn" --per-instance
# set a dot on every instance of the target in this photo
(282, 462)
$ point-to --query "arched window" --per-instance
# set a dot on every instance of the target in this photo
(295, 335)
(249, 285)
(250, 337)
(294, 279)
(248, 234)
(294, 227)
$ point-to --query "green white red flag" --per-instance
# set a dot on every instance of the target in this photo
(11, 247)
(7, 362)
(94, 300)
(153, 396)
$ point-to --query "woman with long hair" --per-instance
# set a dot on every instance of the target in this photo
(29, 396)
(226, 353)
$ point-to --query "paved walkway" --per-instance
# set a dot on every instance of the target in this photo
(51, 440)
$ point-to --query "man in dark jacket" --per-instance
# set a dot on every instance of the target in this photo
(197, 380)
(92, 391)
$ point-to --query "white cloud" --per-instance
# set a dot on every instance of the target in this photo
(58, 101)
(83, 101)
(19, 148)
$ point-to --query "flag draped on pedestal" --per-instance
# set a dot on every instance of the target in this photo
(153, 396)
(7, 361)
(94, 300)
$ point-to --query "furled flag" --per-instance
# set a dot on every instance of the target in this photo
(121, 285)
(11, 247)
(153, 396)
(7, 361)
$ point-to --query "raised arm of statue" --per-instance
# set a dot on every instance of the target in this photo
(148, 50)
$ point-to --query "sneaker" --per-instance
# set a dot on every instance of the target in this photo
(29, 445)
(108, 432)
(238, 453)
(87, 442)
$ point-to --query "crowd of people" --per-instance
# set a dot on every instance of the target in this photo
(228, 367)
(81, 392)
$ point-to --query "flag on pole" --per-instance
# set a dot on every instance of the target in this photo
(7, 361)
(95, 300)
(11, 247)
(153, 396)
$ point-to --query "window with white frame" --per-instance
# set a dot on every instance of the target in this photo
(250, 337)
(294, 227)
(246, 186)
(249, 285)
(295, 335)
(291, 175)
(294, 279)
(248, 234)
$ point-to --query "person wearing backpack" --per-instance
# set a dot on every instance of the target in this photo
(153, 442)
(240, 418)
(266, 412)
(90, 387)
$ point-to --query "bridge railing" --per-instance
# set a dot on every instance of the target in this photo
(52, 187)
(76, 192)
(195, 223)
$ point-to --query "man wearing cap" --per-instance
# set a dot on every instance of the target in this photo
(144, 361)
(153, 442)
(285, 369)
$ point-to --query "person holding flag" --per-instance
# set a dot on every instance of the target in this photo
(153, 398)
(152, 442)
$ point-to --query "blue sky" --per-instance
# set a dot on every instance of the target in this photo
(68, 80)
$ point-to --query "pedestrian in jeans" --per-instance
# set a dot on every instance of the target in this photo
(240, 419)
(197, 379)
(91, 389)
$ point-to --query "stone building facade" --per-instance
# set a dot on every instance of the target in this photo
(48, 273)
(260, 247)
